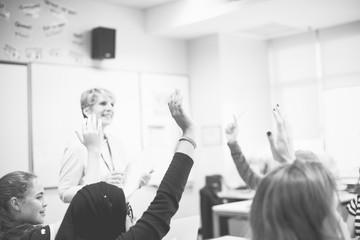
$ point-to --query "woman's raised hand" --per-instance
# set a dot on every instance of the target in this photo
(281, 144)
(92, 133)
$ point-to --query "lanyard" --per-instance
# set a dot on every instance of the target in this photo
(106, 163)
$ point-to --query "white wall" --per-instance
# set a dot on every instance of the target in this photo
(229, 74)
(246, 91)
(205, 85)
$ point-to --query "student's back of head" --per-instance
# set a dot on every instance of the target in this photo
(297, 201)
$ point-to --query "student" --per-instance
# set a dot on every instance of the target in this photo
(297, 201)
(353, 219)
(23, 207)
(99, 210)
(281, 148)
(111, 164)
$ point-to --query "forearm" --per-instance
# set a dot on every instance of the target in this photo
(351, 224)
(155, 222)
(68, 194)
(186, 147)
(71, 173)
(250, 177)
(92, 173)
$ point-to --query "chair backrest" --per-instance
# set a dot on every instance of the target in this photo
(184, 228)
(214, 181)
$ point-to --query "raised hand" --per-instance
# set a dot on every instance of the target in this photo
(231, 131)
(181, 118)
(92, 133)
(281, 143)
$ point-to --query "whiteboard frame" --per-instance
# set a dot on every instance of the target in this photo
(28, 114)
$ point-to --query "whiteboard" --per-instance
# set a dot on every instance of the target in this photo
(159, 130)
(14, 137)
(56, 111)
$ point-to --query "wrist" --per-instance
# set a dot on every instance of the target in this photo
(189, 140)
(93, 150)
(232, 141)
(189, 132)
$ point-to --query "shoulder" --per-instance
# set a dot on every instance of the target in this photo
(74, 142)
(39, 233)
(27, 232)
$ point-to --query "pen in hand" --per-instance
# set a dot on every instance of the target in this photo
(140, 185)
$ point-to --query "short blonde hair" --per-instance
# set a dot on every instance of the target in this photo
(89, 97)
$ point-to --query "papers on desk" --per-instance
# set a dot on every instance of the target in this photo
(240, 208)
(243, 194)
(229, 238)
(246, 194)
(345, 196)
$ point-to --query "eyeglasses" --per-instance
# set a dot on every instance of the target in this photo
(130, 213)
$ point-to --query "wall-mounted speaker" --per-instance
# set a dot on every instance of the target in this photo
(103, 43)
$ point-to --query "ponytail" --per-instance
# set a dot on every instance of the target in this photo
(6, 222)
(14, 184)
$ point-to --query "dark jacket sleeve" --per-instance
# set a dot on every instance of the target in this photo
(155, 222)
(250, 177)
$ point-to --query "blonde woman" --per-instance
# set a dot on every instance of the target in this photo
(111, 163)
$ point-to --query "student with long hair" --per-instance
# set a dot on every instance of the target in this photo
(23, 208)
(297, 201)
(281, 147)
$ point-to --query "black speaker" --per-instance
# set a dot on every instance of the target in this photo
(103, 43)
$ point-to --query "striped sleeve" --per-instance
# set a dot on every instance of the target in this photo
(351, 206)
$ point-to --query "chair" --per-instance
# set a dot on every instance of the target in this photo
(209, 198)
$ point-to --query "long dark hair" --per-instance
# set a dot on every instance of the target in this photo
(14, 184)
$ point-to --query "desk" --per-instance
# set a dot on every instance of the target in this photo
(229, 238)
(236, 209)
(241, 210)
(237, 194)
(346, 197)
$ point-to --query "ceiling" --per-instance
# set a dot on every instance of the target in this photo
(141, 4)
(265, 19)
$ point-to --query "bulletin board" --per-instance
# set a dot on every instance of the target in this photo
(159, 130)
(14, 121)
(56, 111)
(44, 30)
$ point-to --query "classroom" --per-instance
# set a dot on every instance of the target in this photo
(230, 59)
